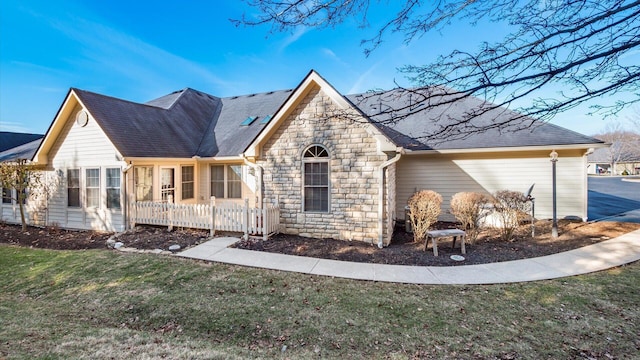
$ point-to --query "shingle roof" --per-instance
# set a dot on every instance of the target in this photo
(10, 140)
(24, 151)
(182, 124)
(226, 136)
(412, 131)
(141, 130)
(191, 123)
(166, 101)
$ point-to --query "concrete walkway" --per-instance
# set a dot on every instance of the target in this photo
(601, 256)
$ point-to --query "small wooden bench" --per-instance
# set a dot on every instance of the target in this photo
(435, 234)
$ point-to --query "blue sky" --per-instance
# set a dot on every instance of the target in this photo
(141, 50)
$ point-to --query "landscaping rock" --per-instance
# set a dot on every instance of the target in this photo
(118, 245)
(175, 247)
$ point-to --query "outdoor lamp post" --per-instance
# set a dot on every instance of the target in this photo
(554, 160)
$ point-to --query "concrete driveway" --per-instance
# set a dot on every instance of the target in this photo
(611, 198)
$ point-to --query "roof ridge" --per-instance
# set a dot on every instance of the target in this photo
(146, 104)
(209, 131)
(173, 102)
(114, 98)
(181, 94)
(256, 94)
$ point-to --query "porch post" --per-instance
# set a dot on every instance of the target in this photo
(170, 209)
(212, 203)
(245, 223)
(264, 215)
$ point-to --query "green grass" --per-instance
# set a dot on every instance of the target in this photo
(101, 305)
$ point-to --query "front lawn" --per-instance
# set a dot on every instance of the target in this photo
(99, 304)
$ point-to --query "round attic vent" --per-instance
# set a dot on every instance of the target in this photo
(82, 118)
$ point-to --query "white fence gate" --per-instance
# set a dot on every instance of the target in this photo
(226, 217)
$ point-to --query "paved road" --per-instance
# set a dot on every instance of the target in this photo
(610, 197)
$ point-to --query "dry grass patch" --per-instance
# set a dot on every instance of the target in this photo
(110, 304)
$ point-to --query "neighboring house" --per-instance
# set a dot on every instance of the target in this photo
(334, 167)
(603, 160)
(9, 140)
(16, 146)
(22, 151)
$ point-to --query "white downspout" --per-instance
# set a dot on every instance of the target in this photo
(125, 208)
(381, 196)
(585, 193)
(258, 169)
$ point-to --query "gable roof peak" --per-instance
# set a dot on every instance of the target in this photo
(168, 101)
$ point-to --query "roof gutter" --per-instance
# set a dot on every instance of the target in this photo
(171, 159)
(219, 158)
(510, 148)
(381, 168)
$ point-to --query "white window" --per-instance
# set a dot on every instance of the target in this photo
(234, 181)
(92, 187)
(113, 188)
(6, 195)
(316, 179)
(143, 178)
(187, 182)
(226, 181)
(217, 181)
(73, 188)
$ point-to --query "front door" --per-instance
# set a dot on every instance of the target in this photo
(167, 184)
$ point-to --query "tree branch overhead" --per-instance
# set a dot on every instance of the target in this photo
(576, 50)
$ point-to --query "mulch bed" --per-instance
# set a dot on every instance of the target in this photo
(402, 251)
(142, 237)
(489, 248)
(52, 238)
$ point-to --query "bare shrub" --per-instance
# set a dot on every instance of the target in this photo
(468, 208)
(511, 207)
(424, 208)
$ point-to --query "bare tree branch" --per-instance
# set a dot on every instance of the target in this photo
(625, 146)
(559, 55)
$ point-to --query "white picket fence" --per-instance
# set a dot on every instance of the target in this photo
(223, 217)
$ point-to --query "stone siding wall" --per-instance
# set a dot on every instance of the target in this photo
(353, 172)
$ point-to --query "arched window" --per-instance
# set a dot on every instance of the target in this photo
(315, 161)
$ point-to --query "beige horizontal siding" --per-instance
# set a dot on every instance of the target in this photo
(488, 173)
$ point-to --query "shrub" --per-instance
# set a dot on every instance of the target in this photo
(468, 208)
(424, 208)
(511, 207)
